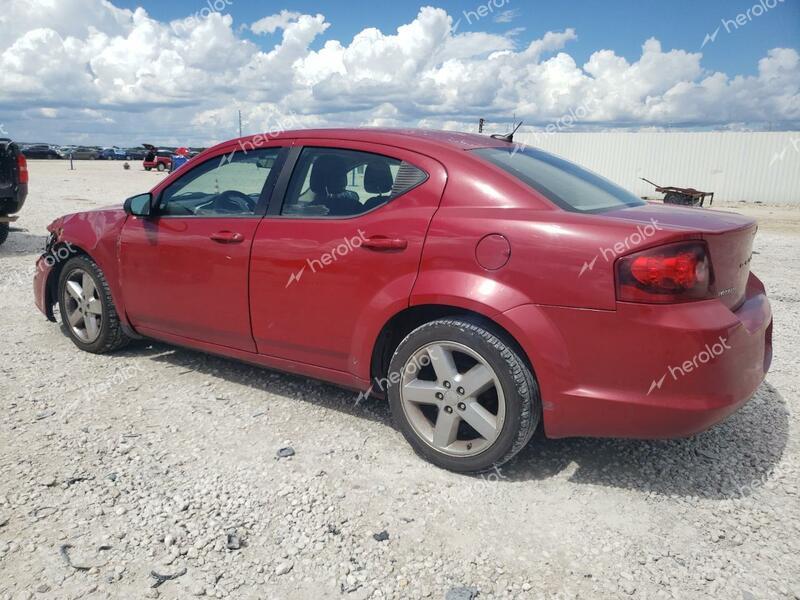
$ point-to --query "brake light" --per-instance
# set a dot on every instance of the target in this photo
(22, 168)
(666, 274)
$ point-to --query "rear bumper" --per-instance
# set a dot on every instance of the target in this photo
(646, 371)
(13, 202)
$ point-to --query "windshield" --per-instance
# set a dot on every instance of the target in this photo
(564, 183)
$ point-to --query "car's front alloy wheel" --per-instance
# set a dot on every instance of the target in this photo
(83, 309)
(461, 395)
(87, 310)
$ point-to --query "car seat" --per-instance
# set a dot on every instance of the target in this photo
(378, 180)
(329, 185)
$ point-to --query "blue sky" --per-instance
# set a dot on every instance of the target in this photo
(124, 71)
(620, 25)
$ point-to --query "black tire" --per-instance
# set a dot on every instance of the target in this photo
(679, 199)
(161, 167)
(521, 392)
(147, 168)
(4, 229)
(111, 336)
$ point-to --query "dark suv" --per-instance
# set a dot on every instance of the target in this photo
(13, 184)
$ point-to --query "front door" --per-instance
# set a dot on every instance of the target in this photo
(184, 270)
(342, 251)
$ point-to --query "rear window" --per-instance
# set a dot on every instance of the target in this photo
(566, 184)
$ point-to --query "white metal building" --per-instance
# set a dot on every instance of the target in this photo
(750, 166)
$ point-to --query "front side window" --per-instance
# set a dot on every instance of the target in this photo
(334, 182)
(566, 184)
(227, 185)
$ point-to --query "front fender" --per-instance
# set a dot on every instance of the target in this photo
(96, 234)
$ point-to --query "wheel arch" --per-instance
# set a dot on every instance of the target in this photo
(408, 319)
(51, 284)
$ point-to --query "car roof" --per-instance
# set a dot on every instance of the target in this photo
(412, 139)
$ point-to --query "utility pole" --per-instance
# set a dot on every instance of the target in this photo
(240, 123)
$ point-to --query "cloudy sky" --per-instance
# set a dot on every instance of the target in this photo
(125, 72)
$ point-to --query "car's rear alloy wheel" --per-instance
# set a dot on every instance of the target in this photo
(161, 166)
(87, 309)
(462, 396)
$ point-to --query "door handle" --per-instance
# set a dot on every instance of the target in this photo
(227, 237)
(384, 243)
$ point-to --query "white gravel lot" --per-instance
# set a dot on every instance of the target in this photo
(113, 467)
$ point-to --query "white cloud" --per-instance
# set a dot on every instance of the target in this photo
(272, 23)
(507, 15)
(86, 66)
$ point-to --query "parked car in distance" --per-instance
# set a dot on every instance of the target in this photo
(42, 151)
(112, 154)
(160, 160)
(484, 287)
(13, 184)
(135, 153)
(85, 153)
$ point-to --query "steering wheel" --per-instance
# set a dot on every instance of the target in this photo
(234, 201)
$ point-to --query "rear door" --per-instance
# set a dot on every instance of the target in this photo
(340, 254)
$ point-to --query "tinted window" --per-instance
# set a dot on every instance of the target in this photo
(227, 185)
(566, 184)
(334, 182)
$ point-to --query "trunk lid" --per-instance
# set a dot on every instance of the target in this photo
(729, 237)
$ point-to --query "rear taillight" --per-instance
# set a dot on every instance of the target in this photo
(22, 167)
(672, 273)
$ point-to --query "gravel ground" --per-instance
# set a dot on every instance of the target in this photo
(163, 460)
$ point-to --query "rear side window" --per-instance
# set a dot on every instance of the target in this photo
(335, 182)
(564, 183)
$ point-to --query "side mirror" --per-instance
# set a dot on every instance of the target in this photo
(138, 206)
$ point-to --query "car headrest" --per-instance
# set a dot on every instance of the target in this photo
(328, 175)
(378, 178)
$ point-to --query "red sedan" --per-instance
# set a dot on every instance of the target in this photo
(483, 287)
